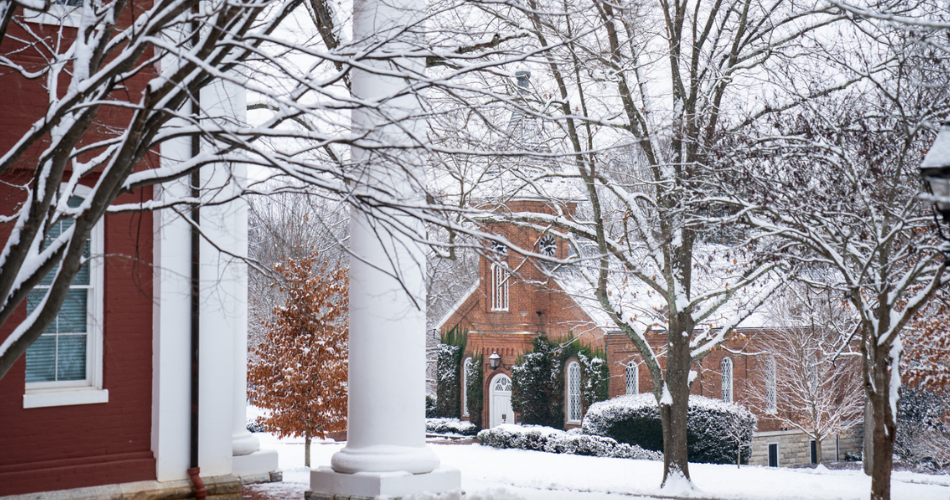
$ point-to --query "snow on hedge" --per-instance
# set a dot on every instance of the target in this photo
(450, 426)
(548, 439)
(716, 429)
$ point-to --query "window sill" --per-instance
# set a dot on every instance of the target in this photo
(65, 397)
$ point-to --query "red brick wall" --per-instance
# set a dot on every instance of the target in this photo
(511, 332)
(748, 370)
(63, 447)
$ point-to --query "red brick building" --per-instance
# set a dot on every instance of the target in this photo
(515, 300)
(100, 403)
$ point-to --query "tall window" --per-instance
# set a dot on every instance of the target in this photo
(574, 392)
(633, 378)
(771, 387)
(67, 358)
(466, 366)
(499, 287)
(726, 368)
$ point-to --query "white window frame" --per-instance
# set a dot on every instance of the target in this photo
(632, 374)
(89, 390)
(726, 370)
(465, 366)
(771, 385)
(574, 398)
(499, 287)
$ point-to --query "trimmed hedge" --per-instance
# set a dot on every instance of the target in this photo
(551, 440)
(715, 429)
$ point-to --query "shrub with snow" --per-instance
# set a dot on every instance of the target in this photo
(448, 403)
(450, 426)
(715, 429)
(551, 440)
(923, 434)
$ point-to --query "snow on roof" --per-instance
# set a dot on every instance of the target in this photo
(648, 307)
(939, 154)
(458, 304)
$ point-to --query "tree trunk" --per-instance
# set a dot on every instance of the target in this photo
(674, 416)
(885, 430)
(818, 458)
(867, 453)
(306, 450)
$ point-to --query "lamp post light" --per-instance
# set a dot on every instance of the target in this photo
(494, 360)
(935, 171)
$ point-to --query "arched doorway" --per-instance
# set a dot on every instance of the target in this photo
(500, 402)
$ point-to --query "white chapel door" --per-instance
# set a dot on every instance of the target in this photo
(501, 412)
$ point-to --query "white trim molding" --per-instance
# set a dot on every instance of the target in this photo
(88, 390)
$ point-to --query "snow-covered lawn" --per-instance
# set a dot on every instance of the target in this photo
(489, 474)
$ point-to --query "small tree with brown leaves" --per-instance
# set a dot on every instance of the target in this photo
(301, 371)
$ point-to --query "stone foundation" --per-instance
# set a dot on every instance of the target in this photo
(794, 447)
(219, 488)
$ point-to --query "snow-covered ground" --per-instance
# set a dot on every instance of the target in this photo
(489, 474)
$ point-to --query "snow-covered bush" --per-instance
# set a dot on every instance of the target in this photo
(551, 440)
(450, 426)
(448, 387)
(923, 433)
(712, 426)
(474, 390)
(430, 407)
(537, 391)
(595, 378)
(538, 380)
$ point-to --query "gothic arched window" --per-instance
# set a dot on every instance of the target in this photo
(633, 378)
(499, 287)
(771, 385)
(726, 368)
(574, 392)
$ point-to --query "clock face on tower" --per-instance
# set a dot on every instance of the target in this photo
(547, 245)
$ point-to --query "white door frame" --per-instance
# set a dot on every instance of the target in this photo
(495, 416)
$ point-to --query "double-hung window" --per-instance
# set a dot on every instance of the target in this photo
(64, 365)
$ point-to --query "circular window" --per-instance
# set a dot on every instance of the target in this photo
(499, 248)
(547, 245)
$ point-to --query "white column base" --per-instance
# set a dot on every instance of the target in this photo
(325, 483)
(259, 463)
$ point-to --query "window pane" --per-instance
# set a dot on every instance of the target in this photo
(40, 359)
(71, 358)
(72, 316)
(33, 300)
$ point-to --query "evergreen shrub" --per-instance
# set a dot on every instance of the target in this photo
(538, 380)
(475, 391)
(711, 425)
(448, 391)
(537, 391)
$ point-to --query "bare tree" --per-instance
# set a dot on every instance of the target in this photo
(812, 381)
(632, 101)
(133, 100)
(839, 181)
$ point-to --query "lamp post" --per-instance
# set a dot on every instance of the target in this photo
(935, 171)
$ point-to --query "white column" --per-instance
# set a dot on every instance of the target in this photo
(386, 417)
